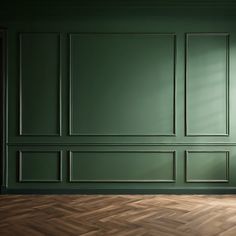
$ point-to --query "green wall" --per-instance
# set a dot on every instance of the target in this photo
(121, 103)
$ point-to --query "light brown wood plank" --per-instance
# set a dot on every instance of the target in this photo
(124, 215)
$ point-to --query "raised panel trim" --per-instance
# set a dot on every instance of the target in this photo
(21, 132)
(121, 144)
(21, 180)
(4, 109)
(71, 180)
(227, 35)
(71, 133)
(188, 180)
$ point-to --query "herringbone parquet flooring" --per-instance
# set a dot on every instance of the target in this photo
(113, 215)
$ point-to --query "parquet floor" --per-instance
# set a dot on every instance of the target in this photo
(113, 215)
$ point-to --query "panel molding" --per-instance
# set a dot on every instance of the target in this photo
(143, 4)
(188, 180)
(21, 180)
(4, 107)
(20, 131)
(121, 144)
(71, 133)
(123, 190)
(71, 180)
(227, 35)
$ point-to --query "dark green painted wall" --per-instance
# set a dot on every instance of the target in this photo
(121, 103)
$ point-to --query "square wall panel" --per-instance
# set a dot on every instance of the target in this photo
(40, 166)
(207, 166)
(122, 84)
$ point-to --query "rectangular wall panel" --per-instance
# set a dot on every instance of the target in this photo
(122, 84)
(207, 166)
(207, 81)
(40, 166)
(122, 166)
(40, 103)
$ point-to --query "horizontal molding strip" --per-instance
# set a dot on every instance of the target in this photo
(71, 190)
(122, 144)
(130, 4)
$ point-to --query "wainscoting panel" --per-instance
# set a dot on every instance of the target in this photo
(39, 85)
(40, 166)
(116, 169)
(122, 84)
(121, 104)
(123, 166)
(207, 81)
(207, 166)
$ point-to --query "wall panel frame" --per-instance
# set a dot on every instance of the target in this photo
(190, 180)
(59, 76)
(174, 170)
(227, 60)
(3, 108)
(20, 167)
(114, 34)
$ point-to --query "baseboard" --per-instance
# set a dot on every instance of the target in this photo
(3, 190)
(228, 190)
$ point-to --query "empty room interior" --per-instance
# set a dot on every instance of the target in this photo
(118, 118)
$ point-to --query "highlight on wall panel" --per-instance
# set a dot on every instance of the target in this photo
(207, 166)
(122, 84)
(207, 84)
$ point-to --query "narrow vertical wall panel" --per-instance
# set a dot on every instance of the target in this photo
(122, 84)
(39, 84)
(207, 81)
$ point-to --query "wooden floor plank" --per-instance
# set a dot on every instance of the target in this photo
(118, 215)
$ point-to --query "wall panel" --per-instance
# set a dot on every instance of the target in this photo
(207, 81)
(40, 166)
(112, 104)
(122, 166)
(39, 86)
(207, 166)
(122, 84)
